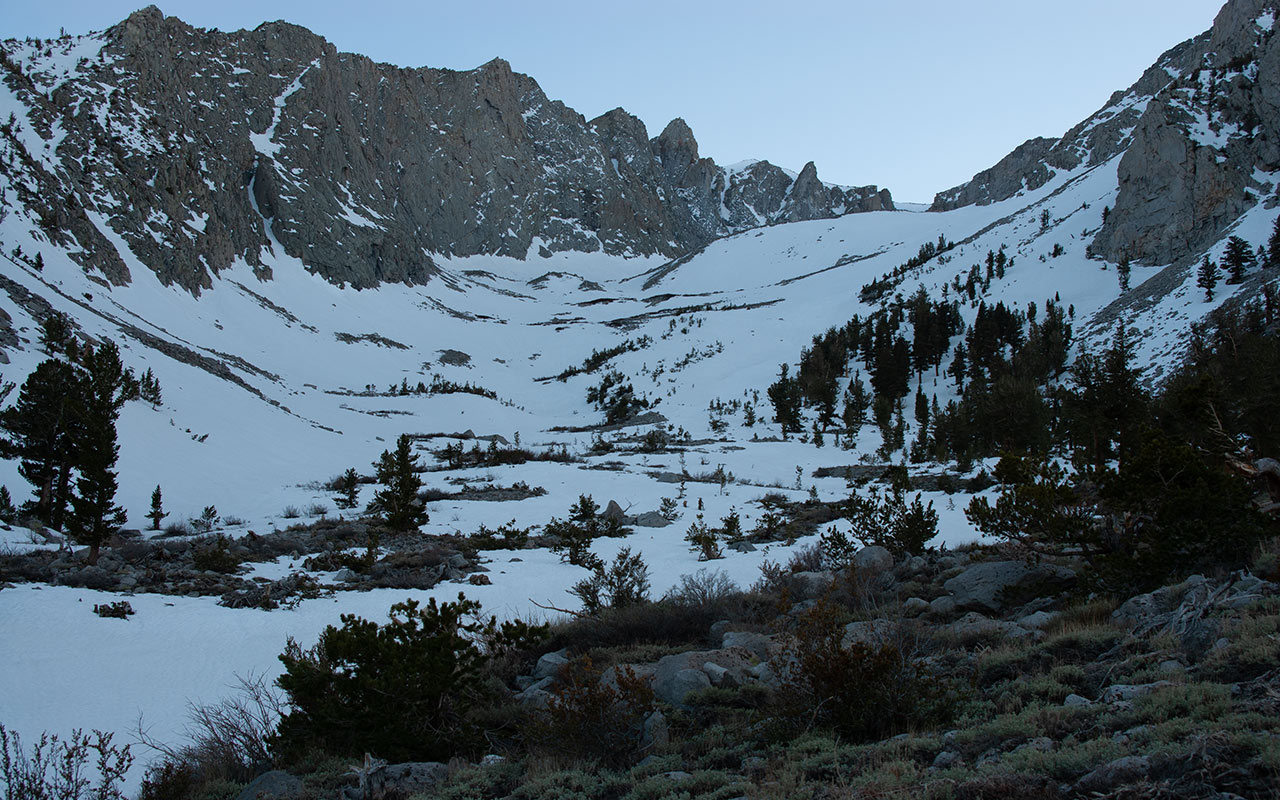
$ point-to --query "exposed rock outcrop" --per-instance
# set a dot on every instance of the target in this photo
(196, 148)
(1196, 135)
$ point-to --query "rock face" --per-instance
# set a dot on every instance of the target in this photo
(1193, 137)
(195, 148)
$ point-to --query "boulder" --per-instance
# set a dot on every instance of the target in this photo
(1120, 692)
(549, 664)
(720, 676)
(975, 624)
(406, 780)
(1123, 770)
(914, 606)
(614, 511)
(656, 733)
(674, 686)
(874, 559)
(984, 586)
(943, 606)
(811, 585)
(274, 785)
(872, 632)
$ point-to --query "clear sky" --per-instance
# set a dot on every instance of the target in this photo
(913, 96)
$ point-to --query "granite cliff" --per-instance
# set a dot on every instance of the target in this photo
(194, 148)
(1196, 138)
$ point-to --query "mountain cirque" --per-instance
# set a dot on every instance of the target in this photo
(197, 147)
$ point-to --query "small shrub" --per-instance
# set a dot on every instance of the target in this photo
(207, 520)
(505, 537)
(862, 691)
(214, 555)
(58, 769)
(317, 510)
(591, 718)
(403, 691)
(703, 588)
(178, 529)
(117, 610)
(703, 540)
(291, 512)
(229, 742)
(623, 583)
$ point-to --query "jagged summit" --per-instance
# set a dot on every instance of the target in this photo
(197, 148)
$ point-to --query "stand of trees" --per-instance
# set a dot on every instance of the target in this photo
(62, 429)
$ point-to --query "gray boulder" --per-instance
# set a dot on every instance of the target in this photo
(674, 686)
(872, 632)
(914, 606)
(549, 665)
(1108, 776)
(975, 624)
(874, 559)
(273, 785)
(656, 732)
(1121, 692)
(984, 586)
(758, 644)
(405, 780)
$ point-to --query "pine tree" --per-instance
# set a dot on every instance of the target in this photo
(149, 389)
(348, 487)
(1237, 259)
(398, 502)
(95, 517)
(56, 337)
(785, 396)
(42, 429)
(7, 511)
(1273, 245)
(1124, 269)
(856, 404)
(1207, 277)
(157, 512)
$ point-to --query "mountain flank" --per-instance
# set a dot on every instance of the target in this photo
(194, 148)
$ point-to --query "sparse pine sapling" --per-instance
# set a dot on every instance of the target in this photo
(157, 512)
(731, 526)
(703, 541)
(1124, 269)
(7, 511)
(348, 488)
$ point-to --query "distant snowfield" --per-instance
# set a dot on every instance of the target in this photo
(721, 325)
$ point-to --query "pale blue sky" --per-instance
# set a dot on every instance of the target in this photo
(913, 96)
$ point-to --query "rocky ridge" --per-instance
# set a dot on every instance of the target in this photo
(193, 148)
(1196, 137)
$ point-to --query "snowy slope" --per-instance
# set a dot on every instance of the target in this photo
(303, 351)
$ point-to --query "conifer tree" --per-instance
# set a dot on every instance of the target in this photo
(149, 389)
(95, 516)
(784, 394)
(1273, 245)
(1207, 277)
(398, 502)
(157, 512)
(348, 486)
(42, 430)
(1237, 259)
(1124, 269)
